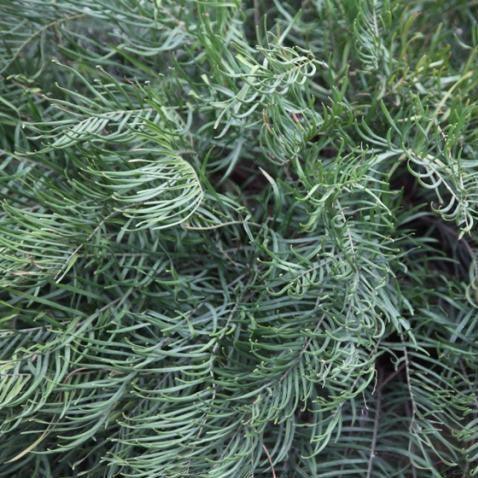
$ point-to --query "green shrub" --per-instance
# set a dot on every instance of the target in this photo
(237, 238)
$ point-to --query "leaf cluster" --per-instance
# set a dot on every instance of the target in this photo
(238, 238)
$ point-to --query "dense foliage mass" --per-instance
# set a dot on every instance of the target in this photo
(237, 238)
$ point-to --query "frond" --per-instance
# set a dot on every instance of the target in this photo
(238, 239)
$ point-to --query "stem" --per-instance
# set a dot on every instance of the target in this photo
(269, 458)
(257, 17)
(375, 429)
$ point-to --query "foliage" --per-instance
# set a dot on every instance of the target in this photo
(238, 238)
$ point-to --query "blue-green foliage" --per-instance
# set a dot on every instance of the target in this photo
(238, 238)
